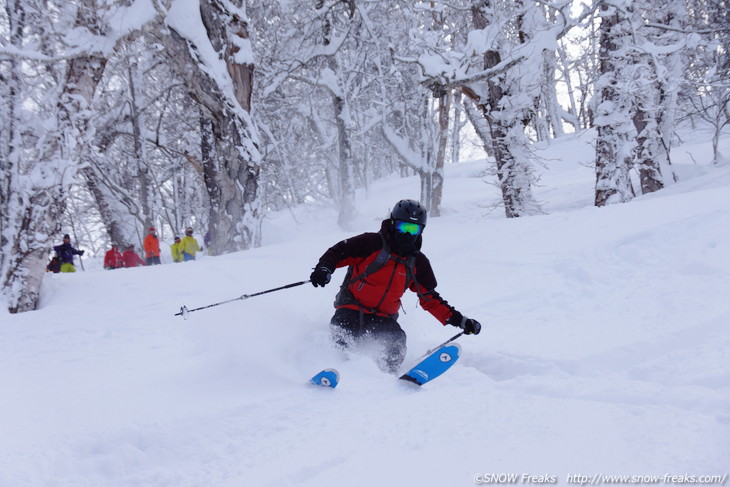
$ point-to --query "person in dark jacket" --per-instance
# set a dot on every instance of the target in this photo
(381, 267)
(65, 253)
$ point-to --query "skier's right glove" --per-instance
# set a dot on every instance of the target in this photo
(469, 325)
(321, 276)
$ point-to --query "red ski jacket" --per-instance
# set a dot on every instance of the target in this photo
(113, 259)
(132, 259)
(380, 292)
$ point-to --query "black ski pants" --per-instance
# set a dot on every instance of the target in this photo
(352, 329)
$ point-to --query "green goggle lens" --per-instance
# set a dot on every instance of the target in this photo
(408, 227)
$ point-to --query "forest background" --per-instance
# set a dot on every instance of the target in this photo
(118, 115)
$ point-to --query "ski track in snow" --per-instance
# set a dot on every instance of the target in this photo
(604, 350)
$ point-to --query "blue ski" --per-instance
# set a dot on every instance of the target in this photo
(435, 364)
(326, 378)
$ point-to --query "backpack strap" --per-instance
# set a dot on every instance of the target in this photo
(345, 297)
(374, 266)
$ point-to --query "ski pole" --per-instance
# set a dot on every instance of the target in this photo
(184, 310)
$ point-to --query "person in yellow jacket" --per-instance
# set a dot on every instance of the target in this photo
(189, 246)
(177, 255)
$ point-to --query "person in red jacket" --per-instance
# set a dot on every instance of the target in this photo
(113, 258)
(381, 267)
(131, 258)
(152, 247)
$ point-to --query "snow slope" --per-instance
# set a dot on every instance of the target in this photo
(604, 352)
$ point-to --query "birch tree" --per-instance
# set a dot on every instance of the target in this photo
(40, 174)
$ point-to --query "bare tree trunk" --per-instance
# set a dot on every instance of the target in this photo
(512, 173)
(233, 172)
(648, 150)
(549, 95)
(110, 213)
(481, 127)
(142, 168)
(444, 107)
(38, 220)
(346, 191)
(10, 153)
(458, 125)
(574, 120)
(613, 184)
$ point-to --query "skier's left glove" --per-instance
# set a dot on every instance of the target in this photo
(469, 325)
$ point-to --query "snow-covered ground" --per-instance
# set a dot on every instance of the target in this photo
(604, 351)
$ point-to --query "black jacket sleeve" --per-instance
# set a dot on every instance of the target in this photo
(348, 251)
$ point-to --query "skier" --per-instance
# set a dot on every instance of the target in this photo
(113, 258)
(131, 258)
(381, 267)
(175, 250)
(65, 253)
(189, 245)
(151, 246)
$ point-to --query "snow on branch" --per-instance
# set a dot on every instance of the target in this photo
(409, 156)
(185, 19)
(81, 43)
(686, 31)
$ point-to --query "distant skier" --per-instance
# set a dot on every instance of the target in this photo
(175, 250)
(381, 267)
(65, 253)
(151, 246)
(113, 258)
(189, 245)
(131, 257)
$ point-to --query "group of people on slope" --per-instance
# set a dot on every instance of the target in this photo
(184, 249)
(63, 260)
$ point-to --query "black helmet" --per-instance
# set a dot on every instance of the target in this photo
(409, 211)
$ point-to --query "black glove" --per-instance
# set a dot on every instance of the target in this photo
(321, 276)
(469, 325)
(81, 252)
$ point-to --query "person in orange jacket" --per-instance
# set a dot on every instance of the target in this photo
(152, 247)
(131, 258)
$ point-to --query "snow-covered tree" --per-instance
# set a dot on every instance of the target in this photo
(510, 40)
(41, 165)
(613, 118)
(706, 84)
(208, 46)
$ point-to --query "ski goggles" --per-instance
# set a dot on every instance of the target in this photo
(408, 227)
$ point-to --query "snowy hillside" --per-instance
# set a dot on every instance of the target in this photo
(604, 351)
